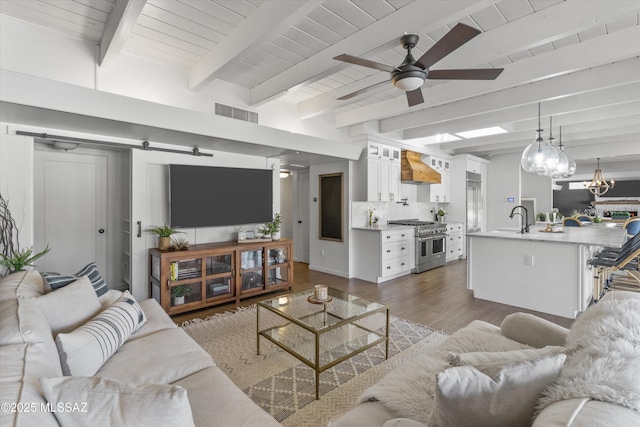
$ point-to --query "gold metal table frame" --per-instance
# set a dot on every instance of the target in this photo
(320, 323)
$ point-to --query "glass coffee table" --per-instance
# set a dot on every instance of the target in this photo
(322, 334)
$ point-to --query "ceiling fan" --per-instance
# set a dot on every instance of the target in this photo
(411, 74)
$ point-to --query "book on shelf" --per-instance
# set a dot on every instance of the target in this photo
(178, 272)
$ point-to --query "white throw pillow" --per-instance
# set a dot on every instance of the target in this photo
(501, 394)
(104, 402)
(71, 306)
(483, 357)
(84, 351)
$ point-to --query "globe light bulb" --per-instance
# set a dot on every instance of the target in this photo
(529, 155)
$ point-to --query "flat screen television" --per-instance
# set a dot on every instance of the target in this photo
(206, 196)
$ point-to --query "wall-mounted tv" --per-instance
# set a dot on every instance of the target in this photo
(206, 196)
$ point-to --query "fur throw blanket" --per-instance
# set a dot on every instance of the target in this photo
(409, 390)
(603, 361)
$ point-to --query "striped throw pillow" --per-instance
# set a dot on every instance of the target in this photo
(91, 271)
(84, 351)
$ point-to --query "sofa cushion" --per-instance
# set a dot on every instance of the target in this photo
(218, 402)
(109, 298)
(484, 357)
(21, 366)
(367, 414)
(584, 412)
(86, 349)
(403, 422)
(417, 376)
(157, 319)
(20, 322)
(107, 402)
(71, 306)
(532, 330)
(91, 270)
(501, 394)
(173, 355)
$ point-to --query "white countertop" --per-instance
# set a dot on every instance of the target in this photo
(385, 227)
(598, 236)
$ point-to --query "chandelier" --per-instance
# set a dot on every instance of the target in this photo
(598, 185)
(544, 158)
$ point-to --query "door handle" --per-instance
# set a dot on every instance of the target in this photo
(101, 231)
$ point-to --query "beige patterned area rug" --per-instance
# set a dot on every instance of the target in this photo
(284, 386)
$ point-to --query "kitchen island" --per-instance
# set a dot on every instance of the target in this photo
(542, 271)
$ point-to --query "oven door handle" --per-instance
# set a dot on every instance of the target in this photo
(425, 239)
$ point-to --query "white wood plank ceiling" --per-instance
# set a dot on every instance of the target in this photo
(579, 58)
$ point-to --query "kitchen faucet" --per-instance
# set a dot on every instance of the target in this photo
(525, 227)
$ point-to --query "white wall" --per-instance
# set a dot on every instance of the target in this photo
(537, 187)
(16, 181)
(336, 254)
(150, 203)
(503, 180)
(29, 49)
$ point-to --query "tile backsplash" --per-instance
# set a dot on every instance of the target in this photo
(386, 211)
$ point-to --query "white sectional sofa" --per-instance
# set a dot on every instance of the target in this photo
(159, 376)
(528, 371)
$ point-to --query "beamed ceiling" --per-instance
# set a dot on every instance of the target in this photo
(578, 58)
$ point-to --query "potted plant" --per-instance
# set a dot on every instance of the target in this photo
(164, 235)
(272, 229)
(178, 293)
(20, 259)
(542, 217)
(441, 214)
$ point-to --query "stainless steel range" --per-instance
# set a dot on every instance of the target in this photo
(430, 243)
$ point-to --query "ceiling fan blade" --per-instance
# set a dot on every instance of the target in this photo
(361, 91)
(471, 74)
(364, 62)
(415, 97)
(456, 37)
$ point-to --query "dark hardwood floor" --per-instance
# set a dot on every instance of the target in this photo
(437, 298)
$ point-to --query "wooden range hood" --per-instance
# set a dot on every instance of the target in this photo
(414, 171)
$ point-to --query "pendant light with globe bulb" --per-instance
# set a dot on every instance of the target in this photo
(532, 155)
(566, 166)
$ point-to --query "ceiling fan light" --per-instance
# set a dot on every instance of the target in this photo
(408, 84)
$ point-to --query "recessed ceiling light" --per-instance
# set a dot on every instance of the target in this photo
(494, 130)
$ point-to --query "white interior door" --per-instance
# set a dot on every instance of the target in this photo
(301, 227)
(70, 210)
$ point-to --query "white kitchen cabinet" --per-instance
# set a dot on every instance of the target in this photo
(382, 255)
(440, 193)
(383, 175)
(455, 240)
(376, 177)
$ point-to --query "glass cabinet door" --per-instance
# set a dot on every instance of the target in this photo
(185, 293)
(251, 271)
(186, 269)
(278, 269)
(219, 270)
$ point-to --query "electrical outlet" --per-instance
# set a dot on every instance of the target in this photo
(322, 252)
(528, 260)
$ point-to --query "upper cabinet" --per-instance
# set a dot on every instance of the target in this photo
(440, 193)
(382, 171)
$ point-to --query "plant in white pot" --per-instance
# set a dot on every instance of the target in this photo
(272, 229)
(178, 293)
(164, 235)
